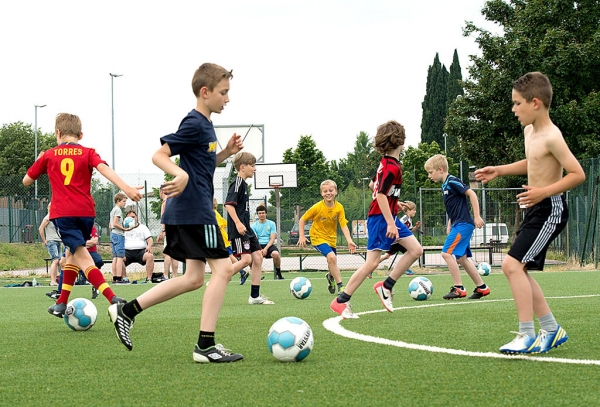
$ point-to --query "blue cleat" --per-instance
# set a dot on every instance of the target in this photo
(522, 344)
(549, 340)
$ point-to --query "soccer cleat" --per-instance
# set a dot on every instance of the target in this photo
(159, 279)
(215, 354)
(58, 310)
(54, 294)
(522, 344)
(478, 293)
(341, 289)
(409, 272)
(94, 293)
(279, 277)
(331, 282)
(455, 292)
(343, 308)
(122, 324)
(243, 276)
(386, 296)
(550, 340)
(117, 300)
(260, 300)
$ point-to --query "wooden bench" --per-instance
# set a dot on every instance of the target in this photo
(304, 255)
(106, 261)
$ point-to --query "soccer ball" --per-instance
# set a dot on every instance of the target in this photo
(300, 287)
(420, 288)
(290, 339)
(484, 269)
(129, 222)
(81, 314)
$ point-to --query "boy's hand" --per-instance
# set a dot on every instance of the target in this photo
(352, 247)
(133, 193)
(531, 196)
(392, 231)
(235, 144)
(402, 206)
(240, 228)
(418, 224)
(176, 185)
(479, 222)
(486, 174)
(302, 241)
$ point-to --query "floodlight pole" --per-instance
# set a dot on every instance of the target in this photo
(35, 154)
(112, 104)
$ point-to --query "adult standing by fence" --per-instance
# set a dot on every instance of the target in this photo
(52, 241)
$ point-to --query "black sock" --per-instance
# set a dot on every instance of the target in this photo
(343, 297)
(132, 308)
(462, 287)
(483, 286)
(389, 283)
(206, 340)
(254, 291)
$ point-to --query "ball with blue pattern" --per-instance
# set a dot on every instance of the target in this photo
(290, 339)
(420, 288)
(81, 314)
(484, 269)
(300, 287)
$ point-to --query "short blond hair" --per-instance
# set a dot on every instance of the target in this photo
(68, 124)
(243, 158)
(209, 75)
(215, 203)
(437, 161)
(328, 182)
(411, 205)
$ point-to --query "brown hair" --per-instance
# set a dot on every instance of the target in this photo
(243, 158)
(209, 76)
(534, 85)
(119, 196)
(389, 136)
(261, 208)
(68, 124)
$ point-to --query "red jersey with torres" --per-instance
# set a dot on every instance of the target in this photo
(387, 181)
(69, 167)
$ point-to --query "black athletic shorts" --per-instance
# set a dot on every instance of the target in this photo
(395, 248)
(244, 245)
(542, 223)
(135, 256)
(197, 242)
(270, 250)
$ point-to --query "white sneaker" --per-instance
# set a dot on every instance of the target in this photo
(522, 344)
(386, 296)
(261, 299)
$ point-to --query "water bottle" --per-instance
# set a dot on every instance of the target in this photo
(34, 282)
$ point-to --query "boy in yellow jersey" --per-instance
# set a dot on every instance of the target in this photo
(223, 226)
(323, 233)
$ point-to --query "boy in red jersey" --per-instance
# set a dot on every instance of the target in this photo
(381, 224)
(69, 167)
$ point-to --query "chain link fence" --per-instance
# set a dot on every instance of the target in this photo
(21, 214)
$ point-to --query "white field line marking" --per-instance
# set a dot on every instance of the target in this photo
(333, 325)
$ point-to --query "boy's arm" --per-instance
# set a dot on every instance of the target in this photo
(92, 242)
(117, 226)
(42, 229)
(27, 180)
(234, 145)
(162, 159)
(486, 174)
(301, 237)
(575, 175)
(113, 177)
(475, 204)
(351, 245)
(241, 228)
(392, 230)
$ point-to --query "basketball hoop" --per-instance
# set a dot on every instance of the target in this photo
(275, 181)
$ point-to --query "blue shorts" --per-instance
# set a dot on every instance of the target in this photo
(74, 231)
(457, 242)
(325, 249)
(118, 245)
(53, 247)
(98, 262)
(229, 250)
(377, 229)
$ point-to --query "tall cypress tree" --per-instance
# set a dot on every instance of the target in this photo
(434, 103)
(454, 89)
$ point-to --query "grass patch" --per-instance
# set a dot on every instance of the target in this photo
(43, 359)
(21, 256)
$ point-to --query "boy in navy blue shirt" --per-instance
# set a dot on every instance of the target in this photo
(460, 228)
(191, 228)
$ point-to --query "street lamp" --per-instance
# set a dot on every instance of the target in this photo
(112, 103)
(35, 144)
(445, 147)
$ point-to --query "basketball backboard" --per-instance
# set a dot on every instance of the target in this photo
(253, 136)
(269, 176)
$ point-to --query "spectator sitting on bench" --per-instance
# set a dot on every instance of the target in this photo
(138, 249)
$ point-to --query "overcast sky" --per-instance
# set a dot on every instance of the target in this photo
(326, 68)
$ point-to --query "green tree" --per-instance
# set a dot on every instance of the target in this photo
(359, 164)
(454, 89)
(17, 154)
(434, 103)
(559, 38)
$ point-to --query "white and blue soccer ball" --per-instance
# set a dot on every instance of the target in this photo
(420, 288)
(300, 287)
(129, 222)
(290, 339)
(81, 314)
(484, 269)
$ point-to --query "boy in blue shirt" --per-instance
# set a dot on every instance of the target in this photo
(191, 227)
(460, 228)
(266, 232)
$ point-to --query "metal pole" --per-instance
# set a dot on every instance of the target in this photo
(445, 147)
(112, 104)
(35, 136)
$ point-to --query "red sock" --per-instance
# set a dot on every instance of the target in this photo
(96, 278)
(70, 272)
